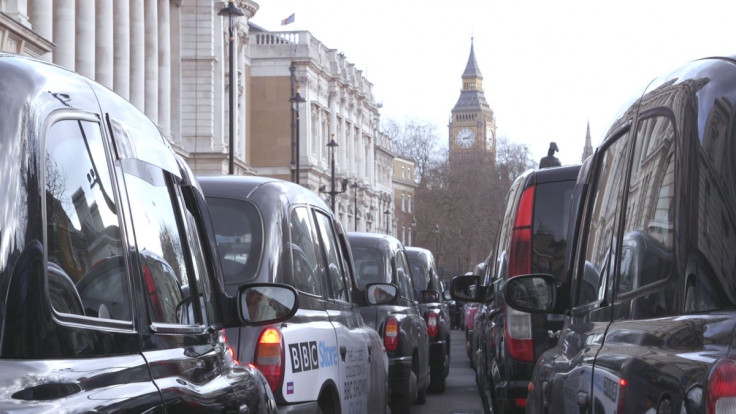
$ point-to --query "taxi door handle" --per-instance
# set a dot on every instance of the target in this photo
(343, 351)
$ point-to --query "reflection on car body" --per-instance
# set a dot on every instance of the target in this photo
(104, 240)
(651, 303)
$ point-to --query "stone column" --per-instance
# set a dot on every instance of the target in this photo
(175, 51)
(137, 54)
(151, 59)
(240, 89)
(104, 43)
(64, 32)
(42, 21)
(121, 54)
(85, 38)
(164, 67)
(18, 11)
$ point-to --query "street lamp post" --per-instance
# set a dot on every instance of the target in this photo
(413, 230)
(344, 183)
(332, 145)
(388, 219)
(231, 11)
(437, 242)
(296, 99)
(355, 188)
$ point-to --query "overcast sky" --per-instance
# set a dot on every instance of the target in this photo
(549, 67)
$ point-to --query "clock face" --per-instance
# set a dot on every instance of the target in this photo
(465, 137)
(489, 137)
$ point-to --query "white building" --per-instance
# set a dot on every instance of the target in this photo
(170, 59)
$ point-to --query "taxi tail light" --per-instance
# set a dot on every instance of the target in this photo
(391, 334)
(518, 325)
(520, 250)
(433, 327)
(269, 357)
(519, 341)
(721, 388)
(621, 395)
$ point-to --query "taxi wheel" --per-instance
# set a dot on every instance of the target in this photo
(485, 386)
(402, 403)
(327, 405)
(437, 381)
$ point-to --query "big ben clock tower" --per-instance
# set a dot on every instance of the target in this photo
(472, 126)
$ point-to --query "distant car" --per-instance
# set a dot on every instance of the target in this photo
(111, 297)
(324, 359)
(650, 297)
(435, 311)
(382, 259)
(532, 237)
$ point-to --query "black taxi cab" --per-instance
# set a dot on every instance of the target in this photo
(111, 297)
(650, 296)
(325, 358)
(382, 259)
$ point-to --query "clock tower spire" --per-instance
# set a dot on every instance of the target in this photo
(472, 123)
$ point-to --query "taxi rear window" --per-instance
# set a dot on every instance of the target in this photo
(368, 266)
(239, 240)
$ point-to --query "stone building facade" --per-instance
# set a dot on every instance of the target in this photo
(404, 187)
(170, 58)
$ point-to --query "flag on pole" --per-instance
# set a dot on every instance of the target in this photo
(288, 20)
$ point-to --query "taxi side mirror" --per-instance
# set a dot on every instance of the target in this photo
(380, 293)
(266, 303)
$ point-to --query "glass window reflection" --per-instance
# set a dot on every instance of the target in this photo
(86, 270)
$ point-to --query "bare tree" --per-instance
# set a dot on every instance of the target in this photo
(512, 158)
(457, 207)
(465, 202)
(417, 141)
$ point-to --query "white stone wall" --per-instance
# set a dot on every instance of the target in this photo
(340, 104)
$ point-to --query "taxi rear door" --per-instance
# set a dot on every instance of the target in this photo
(353, 345)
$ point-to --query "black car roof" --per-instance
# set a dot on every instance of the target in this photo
(375, 240)
(548, 175)
(255, 188)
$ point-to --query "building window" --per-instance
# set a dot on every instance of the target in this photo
(402, 171)
(409, 205)
(403, 202)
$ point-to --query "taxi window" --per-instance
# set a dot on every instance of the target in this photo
(306, 269)
(335, 272)
(600, 250)
(170, 271)
(403, 276)
(239, 238)
(419, 272)
(551, 215)
(649, 221)
(369, 266)
(86, 270)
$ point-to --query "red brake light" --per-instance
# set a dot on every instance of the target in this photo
(432, 324)
(525, 209)
(520, 250)
(391, 335)
(270, 356)
(721, 391)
